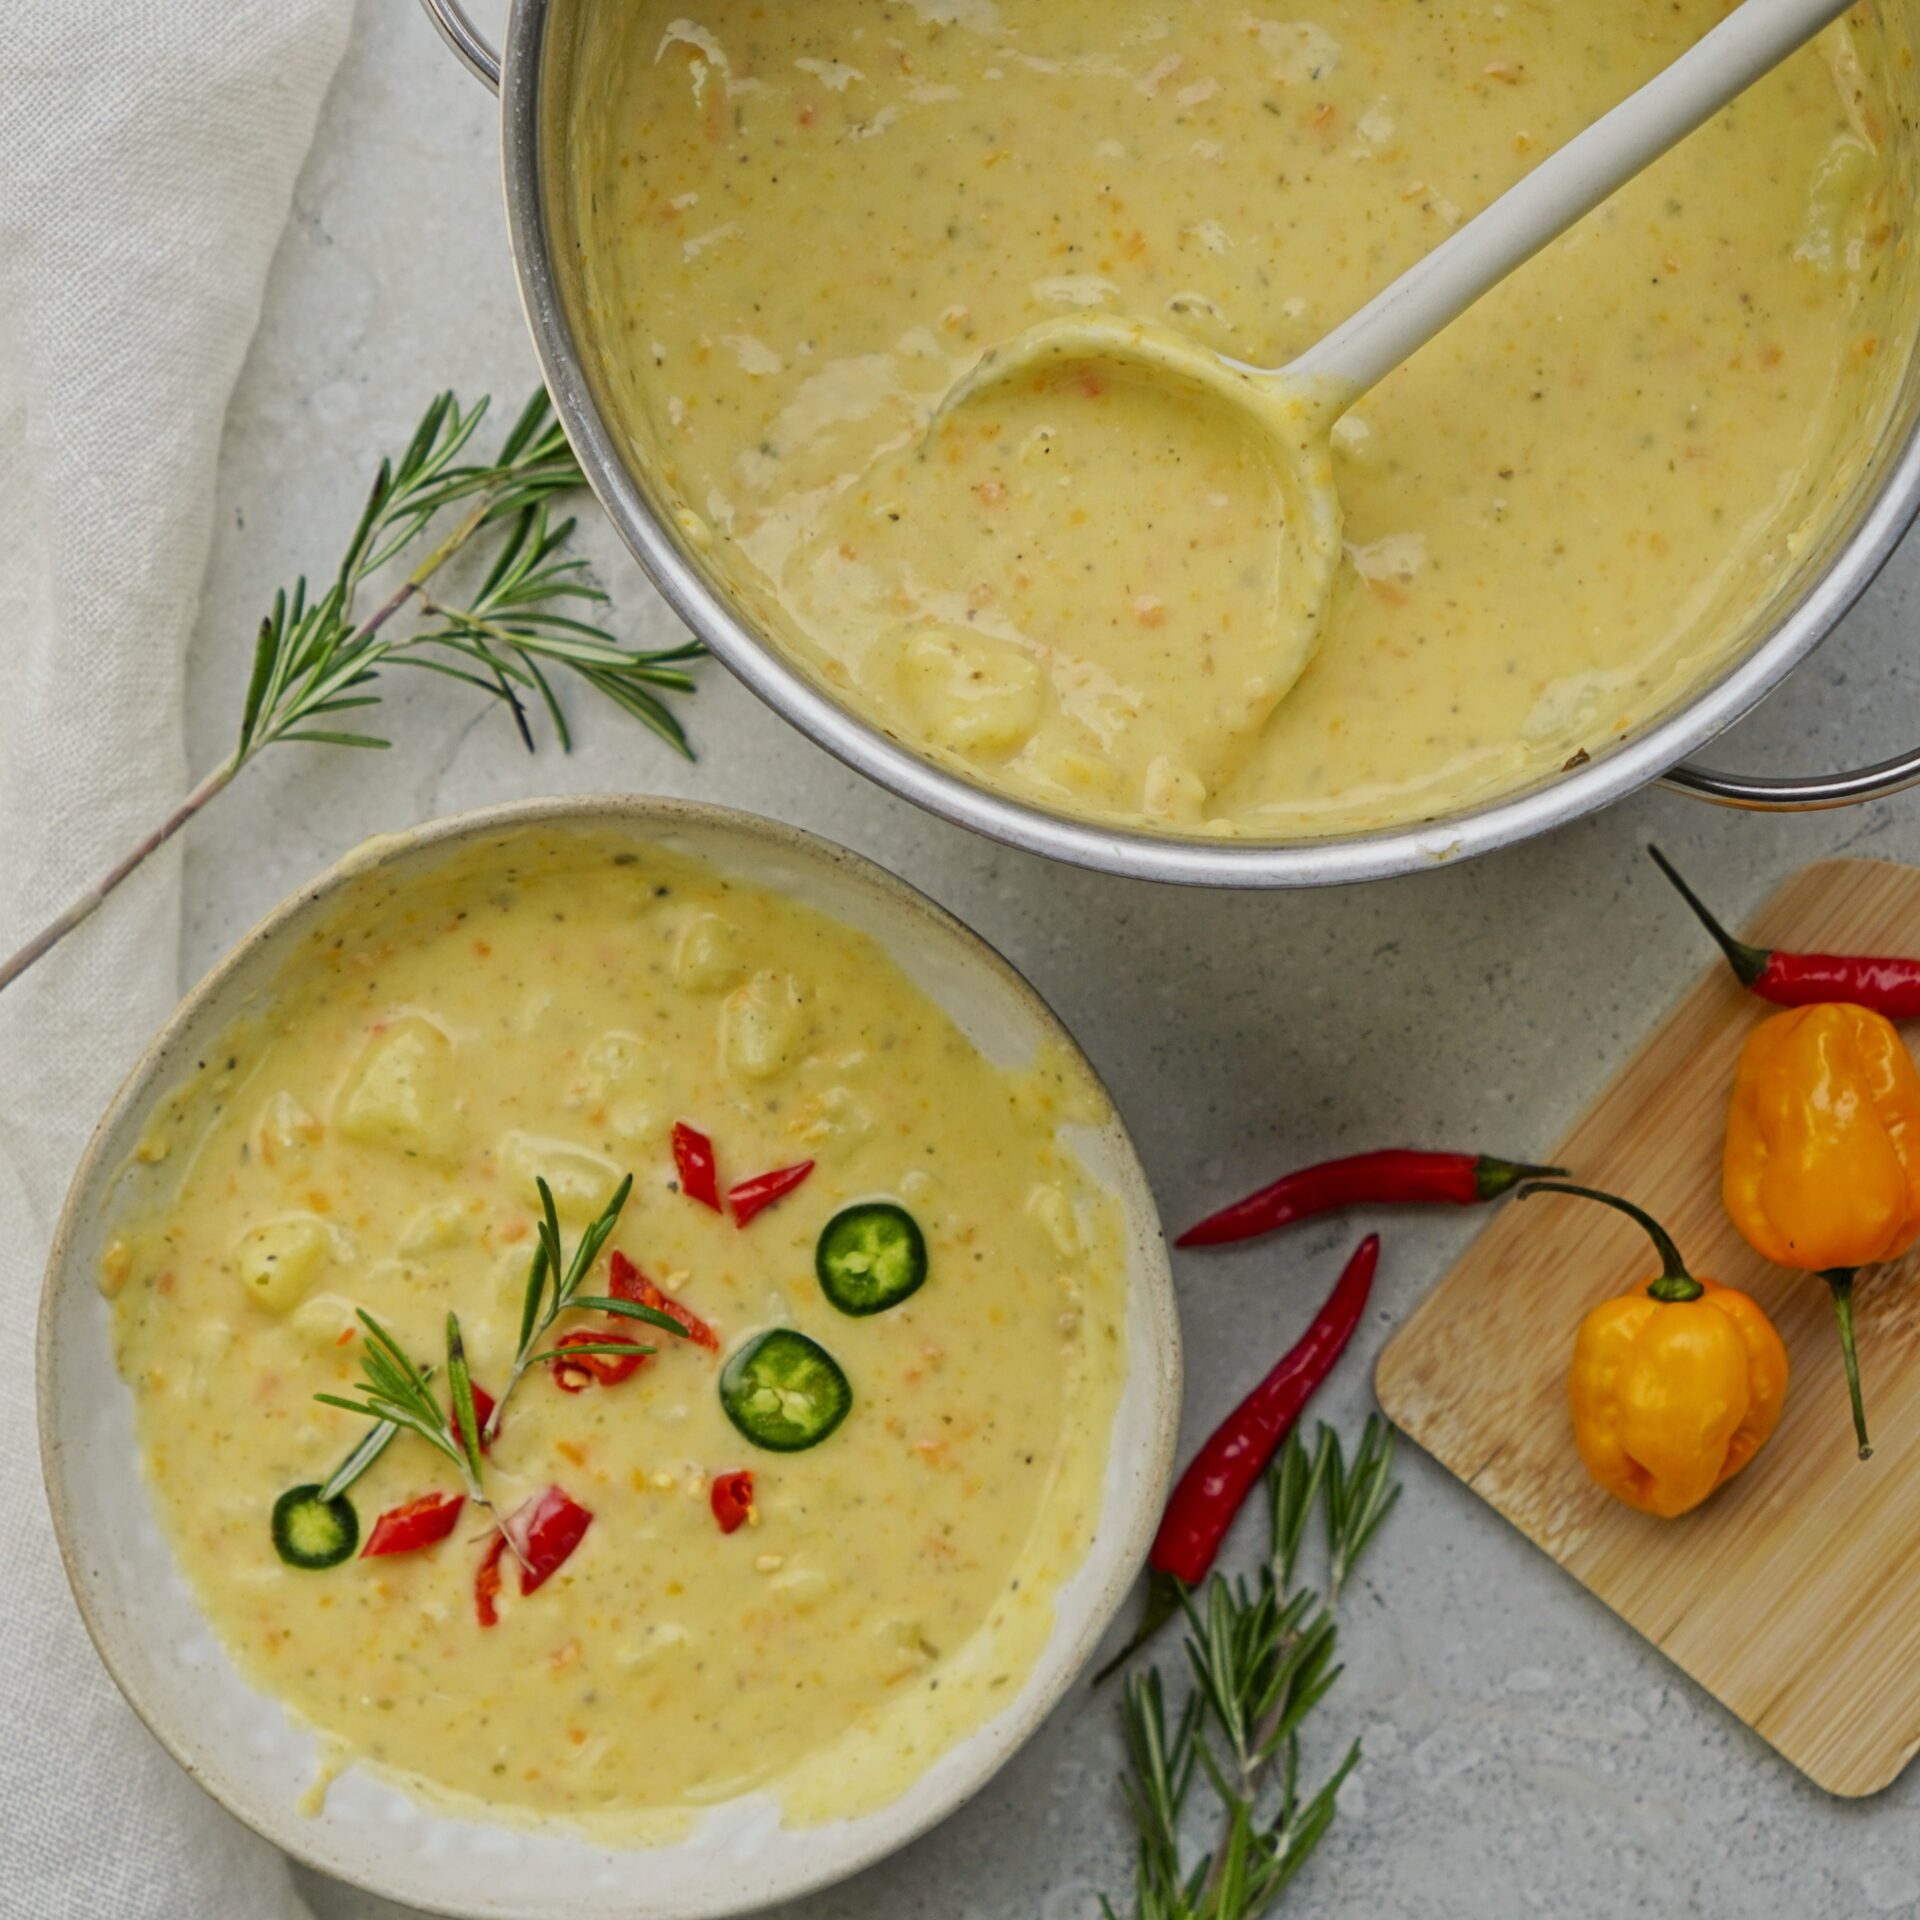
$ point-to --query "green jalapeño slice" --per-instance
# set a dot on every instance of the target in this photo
(312, 1532)
(871, 1257)
(784, 1392)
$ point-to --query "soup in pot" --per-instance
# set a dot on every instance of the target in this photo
(800, 225)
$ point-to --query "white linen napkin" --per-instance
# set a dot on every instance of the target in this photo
(147, 158)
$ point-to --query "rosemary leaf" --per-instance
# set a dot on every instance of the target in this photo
(466, 1422)
(628, 1310)
(536, 1288)
(378, 1439)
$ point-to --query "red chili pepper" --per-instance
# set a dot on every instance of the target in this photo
(417, 1524)
(1390, 1178)
(486, 1582)
(1227, 1468)
(482, 1413)
(577, 1375)
(699, 1169)
(732, 1499)
(545, 1530)
(758, 1194)
(625, 1281)
(1891, 987)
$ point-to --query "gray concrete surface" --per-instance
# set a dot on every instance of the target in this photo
(1524, 1752)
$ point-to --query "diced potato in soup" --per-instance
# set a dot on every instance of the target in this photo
(926, 1465)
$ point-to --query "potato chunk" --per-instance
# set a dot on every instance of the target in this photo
(280, 1259)
(973, 694)
(400, 1094)
(582, 1181)
(710, 954)
(761, 1025)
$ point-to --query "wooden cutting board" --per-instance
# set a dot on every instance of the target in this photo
(1793, 1595)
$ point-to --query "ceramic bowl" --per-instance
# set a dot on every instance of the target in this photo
(241, 1746)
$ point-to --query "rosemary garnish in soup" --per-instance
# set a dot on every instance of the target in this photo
(395, 1393)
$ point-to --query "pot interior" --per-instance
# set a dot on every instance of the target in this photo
(1824, 538)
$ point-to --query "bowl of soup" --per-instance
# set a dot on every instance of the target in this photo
(611, 1360)
(1585, 529)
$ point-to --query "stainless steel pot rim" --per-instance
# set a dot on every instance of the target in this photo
(1655, 756)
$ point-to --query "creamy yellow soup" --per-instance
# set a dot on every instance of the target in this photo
(798, 225)
(370, 1137)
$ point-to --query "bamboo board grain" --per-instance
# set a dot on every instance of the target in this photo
(1793, 1595)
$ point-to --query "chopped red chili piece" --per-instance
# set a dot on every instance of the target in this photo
(546, 1529)
(482, 1413)
(758, 1194)
(1229, 1465)
(699, 1169)
(417, 1524)
(486, 1582)
(732, 1499)
(625, 1281)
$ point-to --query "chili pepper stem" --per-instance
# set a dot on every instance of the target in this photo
(1494, 1177)
(1675, 1284)
(1164, 1594)
(1840, 1279)
(1748, 962)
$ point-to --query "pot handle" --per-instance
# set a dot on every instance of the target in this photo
(465, 39)
(1802, 793)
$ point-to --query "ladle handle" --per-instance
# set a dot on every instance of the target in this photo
(1398, 321)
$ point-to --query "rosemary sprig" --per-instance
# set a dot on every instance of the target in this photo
(317, 658)
(1262, 1658)
(361, 1458)
(394, 1392)
(553, 1288)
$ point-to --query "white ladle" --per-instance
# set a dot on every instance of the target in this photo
(1303, 399)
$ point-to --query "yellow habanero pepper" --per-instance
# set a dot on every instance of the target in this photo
(1674, 1388)
(1822, 1163)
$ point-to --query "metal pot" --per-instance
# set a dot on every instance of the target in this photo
(530, 77)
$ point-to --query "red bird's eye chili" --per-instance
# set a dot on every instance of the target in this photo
(732, 1499)
(699, 1170)
(486, 1582)
(420, 1523)
(1890, 987)
(1228, 1467)
(758, 1194)
(545, 1532)
(1392, 1178)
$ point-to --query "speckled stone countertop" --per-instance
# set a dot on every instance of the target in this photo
(1524, 1753)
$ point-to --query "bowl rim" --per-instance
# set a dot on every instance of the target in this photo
(1857, 541)
(1154, 1347)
